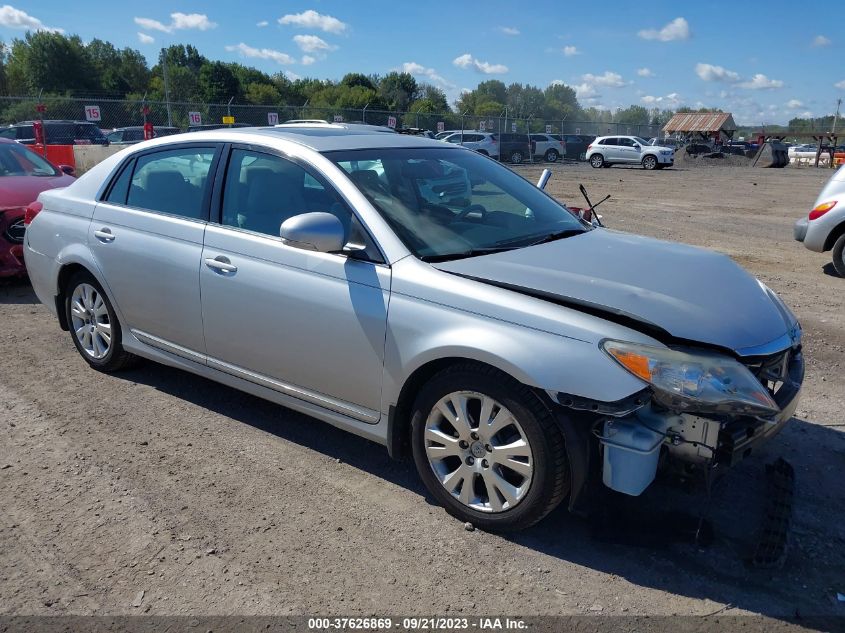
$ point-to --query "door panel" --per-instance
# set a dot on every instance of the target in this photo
(312, 321)
(305, 323)
(147, 239)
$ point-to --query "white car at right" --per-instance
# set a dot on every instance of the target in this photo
(824, 227)
(605, 151)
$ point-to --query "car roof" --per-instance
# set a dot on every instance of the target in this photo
(322, 138)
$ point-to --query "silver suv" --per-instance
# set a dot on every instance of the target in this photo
(519, 354)
(482, 142)
(628, 150)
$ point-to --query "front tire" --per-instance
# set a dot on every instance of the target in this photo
(487, 449)
(839, 255)
(552, 156)
(93, 325)
(649, 162)
(516, 157)
(597, 161)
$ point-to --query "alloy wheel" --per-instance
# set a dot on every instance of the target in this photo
(90, 321)
(478, 451)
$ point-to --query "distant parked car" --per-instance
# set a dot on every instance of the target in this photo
(56, 132)
(482, 142)
(23, 175)
(824, 228)
(666, 142)
(416, 131)
(513, 148)
(550, 148)
(575, 144)
(441, 135)
(135, 134)
(628, 150)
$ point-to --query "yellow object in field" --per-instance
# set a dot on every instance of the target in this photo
(228, 120)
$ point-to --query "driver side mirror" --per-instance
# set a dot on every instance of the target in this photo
(68, 169)
(315, 231)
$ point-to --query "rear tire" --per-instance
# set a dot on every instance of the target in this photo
(552, 156)
(839, 255)
(93, 325)
(516, 157)
(467, 467)
(597, 161)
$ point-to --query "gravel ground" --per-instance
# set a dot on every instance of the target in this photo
(158, 492)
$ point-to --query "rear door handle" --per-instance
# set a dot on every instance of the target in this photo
(104, 235)
(221, 264)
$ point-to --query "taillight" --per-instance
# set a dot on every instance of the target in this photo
(589, 147)
(32, 209)
(820, 210)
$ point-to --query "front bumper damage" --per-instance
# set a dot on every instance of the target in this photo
(637, 435)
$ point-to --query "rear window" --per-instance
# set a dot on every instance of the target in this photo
(172, 181)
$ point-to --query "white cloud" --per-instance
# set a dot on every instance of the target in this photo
(291, 75)
(677, 29)
(569, 51)
(840, 84)
(198, 21)
(178, 22)
(145, 39)
(761, 82)
(13, 18)
(645, 72)
(312, 44)
(418, 70)
(262, 24)
(709, 72)
(794, 104)
(152, 25)
(262, 53)
(307, 60)
(310, 19)
(672, 100)
(586, 91)
(468, 61)
(509, 30)
(609, 79)
(821, 40)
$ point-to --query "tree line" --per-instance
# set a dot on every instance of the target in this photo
(57, 65)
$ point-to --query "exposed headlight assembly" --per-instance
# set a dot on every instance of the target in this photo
(699, 382)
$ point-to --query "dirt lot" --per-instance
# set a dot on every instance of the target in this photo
(210, 501)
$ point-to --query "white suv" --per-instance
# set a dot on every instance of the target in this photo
(482, 142)
(631, 150)
(550, 148)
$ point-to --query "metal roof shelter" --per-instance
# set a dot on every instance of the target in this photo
(703, 123)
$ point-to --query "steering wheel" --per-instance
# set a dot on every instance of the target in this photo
(470, 209)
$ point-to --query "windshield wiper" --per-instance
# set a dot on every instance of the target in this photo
(473, 252)
(557, 235)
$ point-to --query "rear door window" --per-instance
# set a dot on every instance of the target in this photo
(172, 181)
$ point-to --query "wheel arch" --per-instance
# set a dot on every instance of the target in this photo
(837, 232)
(66, 270)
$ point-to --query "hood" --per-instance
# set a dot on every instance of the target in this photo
(19, 191)
(689, 293)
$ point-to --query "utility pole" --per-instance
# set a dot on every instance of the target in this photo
(364, 113)
(166, 87)
(836, 116)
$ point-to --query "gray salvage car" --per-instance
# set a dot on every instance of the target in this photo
(518, 353)
(824, 227)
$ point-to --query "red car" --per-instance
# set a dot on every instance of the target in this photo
(23, 175)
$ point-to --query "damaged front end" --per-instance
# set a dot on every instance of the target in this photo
(701, 412)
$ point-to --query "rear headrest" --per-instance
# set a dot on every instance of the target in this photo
(366, 178)
(164, 179)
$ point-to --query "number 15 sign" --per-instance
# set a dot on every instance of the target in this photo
(92, 113)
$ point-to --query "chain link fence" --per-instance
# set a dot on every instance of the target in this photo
(111, 113)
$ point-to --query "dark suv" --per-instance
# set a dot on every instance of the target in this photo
(514, 148)
(57, 133)
(576, 144)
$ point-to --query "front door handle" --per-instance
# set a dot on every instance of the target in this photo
(104, 235)
(221, 264)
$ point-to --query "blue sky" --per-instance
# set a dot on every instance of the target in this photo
(765, 61)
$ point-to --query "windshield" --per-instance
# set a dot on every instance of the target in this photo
(16, 160)
(449, 203)
(640, 140)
